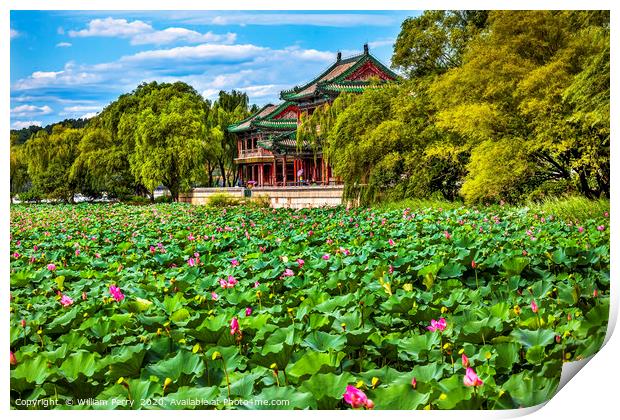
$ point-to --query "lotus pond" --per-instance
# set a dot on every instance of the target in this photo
(172, 306)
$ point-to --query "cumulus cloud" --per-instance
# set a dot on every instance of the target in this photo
(259, 71)
(14, 33)
(141, 33)
(172, 35)
(110, 27)
(29, 110)
(18, 125)
(63, 44)
(199, 52)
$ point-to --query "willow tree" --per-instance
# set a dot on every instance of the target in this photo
(49, 158)
(170, 138)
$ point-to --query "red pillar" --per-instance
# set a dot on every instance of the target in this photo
(284, 170)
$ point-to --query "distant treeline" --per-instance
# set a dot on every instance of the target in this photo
(159, 134)
(20, 136)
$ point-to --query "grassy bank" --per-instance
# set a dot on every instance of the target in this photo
(567, 208)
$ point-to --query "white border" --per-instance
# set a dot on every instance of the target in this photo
(591, 394)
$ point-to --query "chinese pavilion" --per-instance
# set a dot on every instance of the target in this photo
(267, 140)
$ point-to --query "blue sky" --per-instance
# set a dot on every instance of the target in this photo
(71, 64)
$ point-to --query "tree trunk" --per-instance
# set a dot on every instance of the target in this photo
(222, 171)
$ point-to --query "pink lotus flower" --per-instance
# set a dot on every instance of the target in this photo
(191, 237)
(13, 359)
(437, 325)
(248, 311)
(77, 252)
(234, 262)
(66, 301)
(214, 296)
(97, 255)
(465, 360)
(234, 326)
(288, 273)
(534, 306)
(16, 255)
(471, 379)
(116, 293)
(256, 284)
(391, 242)
(345, 251)
(23, 323)
(600, 228)
(447, 234)
(414, 383)
(606, 214)
(357, 398)
(391, 269)
(84, 296)
(152, 249)
(232, 281)
(580, 229)
(36, 247)
(326, 257)
(300, 262)
(473, 264)
(191, 262)
(51, 267)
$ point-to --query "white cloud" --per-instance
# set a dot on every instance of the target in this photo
(199, 52)
(88, 115)
(171, 35)
(110, 27)
(29, 110)
(45, 74)
(261, 90)
(14, 33)
(141, 33)
(18, 125)
(64, 44)
(83, 108)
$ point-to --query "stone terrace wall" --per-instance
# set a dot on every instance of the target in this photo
(293, 197)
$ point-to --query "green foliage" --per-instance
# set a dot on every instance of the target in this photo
(223, 200)
(495, 109)
(49, 158)
(435, 41)
(571, 208)
(170, 138)
(359, 318)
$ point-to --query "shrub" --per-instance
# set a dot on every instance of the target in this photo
(223, 200)
(164, 199)
(137, 200)
(30, 196)
(260, 201)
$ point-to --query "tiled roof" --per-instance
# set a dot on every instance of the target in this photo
(330, 82)
(246, 124)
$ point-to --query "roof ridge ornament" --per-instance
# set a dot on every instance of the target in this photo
(338, 56)
(366, 52)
